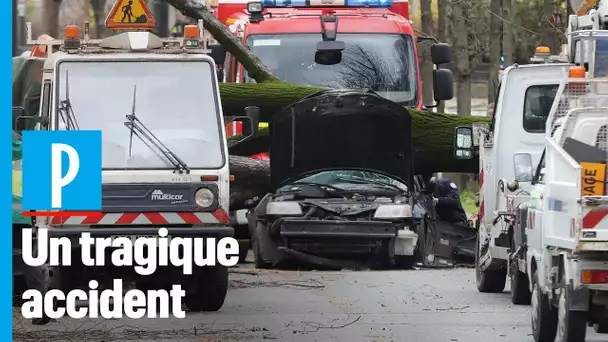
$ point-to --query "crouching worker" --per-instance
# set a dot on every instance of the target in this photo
(446, 199)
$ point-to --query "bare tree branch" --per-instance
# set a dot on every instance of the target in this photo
(196, 10)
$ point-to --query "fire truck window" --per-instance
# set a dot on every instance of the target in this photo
(601, 58)
(384, 63)
(537, 105)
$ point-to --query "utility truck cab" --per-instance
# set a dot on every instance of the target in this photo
(164, 153)
(508, 150)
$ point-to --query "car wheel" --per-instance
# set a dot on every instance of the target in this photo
(571, 325)
(211, 290)
(488, 281)
(543, 315)
(257, 253)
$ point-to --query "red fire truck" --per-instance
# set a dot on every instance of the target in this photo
(336, 44)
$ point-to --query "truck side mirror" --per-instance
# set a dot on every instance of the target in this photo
(329, 52)
(250, 122)
(18, 119)
(441, 53)
(443, 84)
(218, 53)
(463, 146)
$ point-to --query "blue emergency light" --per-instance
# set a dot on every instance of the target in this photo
(326, 3)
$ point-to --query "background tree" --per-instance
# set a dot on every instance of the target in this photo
(424, 52)
(461, 56)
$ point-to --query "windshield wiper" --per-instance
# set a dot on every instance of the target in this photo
(372, 181)
(148, 138)
(65, 107)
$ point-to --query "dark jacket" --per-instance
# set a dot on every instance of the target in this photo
(449, 208)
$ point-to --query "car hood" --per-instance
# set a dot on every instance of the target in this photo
(342, 129)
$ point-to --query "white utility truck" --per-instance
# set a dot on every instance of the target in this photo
(508, 150)
(566, 228)
(164, 152)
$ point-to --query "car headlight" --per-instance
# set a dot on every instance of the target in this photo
(204, 198)
(393, 211)
(284, 208)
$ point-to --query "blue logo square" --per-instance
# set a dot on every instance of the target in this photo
(62, 170)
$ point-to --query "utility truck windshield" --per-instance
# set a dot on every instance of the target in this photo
(384, 63)
(152, 114)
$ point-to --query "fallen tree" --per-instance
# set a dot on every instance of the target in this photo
(433, 136)
(433, 133)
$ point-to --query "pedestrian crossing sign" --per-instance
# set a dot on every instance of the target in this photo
(130, 15)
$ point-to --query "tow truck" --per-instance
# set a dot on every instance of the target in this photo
(164, 160)
(337, 44)
(508, 149)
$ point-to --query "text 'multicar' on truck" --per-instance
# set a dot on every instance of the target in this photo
(164, 156)
(352, 44)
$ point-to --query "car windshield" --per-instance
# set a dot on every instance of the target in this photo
(351, 179)
(383, 63)
(176, 101)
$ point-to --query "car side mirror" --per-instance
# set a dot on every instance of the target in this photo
(218, 53)
(441, 53)
(463, 146)
(443, 85)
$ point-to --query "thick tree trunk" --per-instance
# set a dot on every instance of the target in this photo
(51, 17)
(494, 37)
(508, 39)
(196, 9)
(461, 54)
(549, 32)
(433, 136)
(99, 11)
(424, 53)
(251, 179)
(442, 29)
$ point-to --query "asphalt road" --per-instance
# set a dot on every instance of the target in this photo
(416, 305)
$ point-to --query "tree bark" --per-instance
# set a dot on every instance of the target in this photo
(50, 12)
(494, 42)
(197, 10)
(442, 21)
(424, 53)
(433, 136)
(508, 39)
(99, 12)
(549, 38)
(461, 54)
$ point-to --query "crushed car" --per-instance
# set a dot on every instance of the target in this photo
(342, 179)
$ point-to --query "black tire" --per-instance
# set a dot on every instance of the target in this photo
(543, 315)
(212, 289)
(572, 325)
(520, 290)
(257, 254)
(488, 281)
(520, 285)
(405, 262)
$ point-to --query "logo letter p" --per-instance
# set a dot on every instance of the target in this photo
(57, 179)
